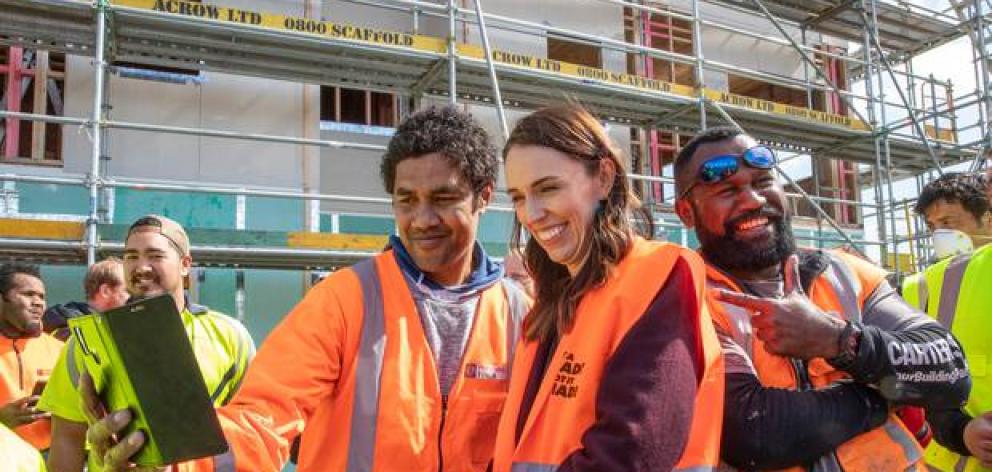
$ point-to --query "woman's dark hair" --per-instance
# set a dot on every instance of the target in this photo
(572, 130)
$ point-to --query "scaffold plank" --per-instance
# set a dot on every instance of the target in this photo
(41, 229)
(351, 242)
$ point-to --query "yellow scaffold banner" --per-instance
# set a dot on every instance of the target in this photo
(439, 45)
(576, 70)
(782, 109)
(289, 23)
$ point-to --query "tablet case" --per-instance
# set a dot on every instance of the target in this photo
(140, 358)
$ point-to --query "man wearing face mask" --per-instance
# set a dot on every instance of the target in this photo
(818, 347)
(956, 201)
(955, 292)
(27, 355)
(157, 261)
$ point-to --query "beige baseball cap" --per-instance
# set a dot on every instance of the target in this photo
(172, 231)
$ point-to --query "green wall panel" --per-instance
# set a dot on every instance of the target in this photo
(63, 283)
(269, 295)
(216, 289)
(357, 224)
(495, 227)
(274, 214)
(53, 198)
(189, 209)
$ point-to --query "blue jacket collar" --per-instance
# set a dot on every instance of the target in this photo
(485, 271)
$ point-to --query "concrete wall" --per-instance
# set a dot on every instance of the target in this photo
(352, 172)
(221, 102)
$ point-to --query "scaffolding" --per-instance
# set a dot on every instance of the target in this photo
(872, 134)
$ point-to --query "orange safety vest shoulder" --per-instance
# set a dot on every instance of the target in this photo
(563, 411)
(840, 290)
(23, 364)
(386, 411)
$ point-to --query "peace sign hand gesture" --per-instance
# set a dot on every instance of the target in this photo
(791, 326)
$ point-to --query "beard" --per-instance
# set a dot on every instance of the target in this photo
(729, 253)
(32, 329)
(23, 328)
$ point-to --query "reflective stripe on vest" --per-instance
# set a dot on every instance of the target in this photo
(532, 467)
(923, 292)
(910, 447)
(827, 463)
(951, 288)
(70, 360)
(239, 353)
(739, 318)
(371, 347)
(847, 286)
(518, 308)
(224, 462)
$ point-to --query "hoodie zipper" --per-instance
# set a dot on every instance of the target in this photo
(440, 433)
(802, 374)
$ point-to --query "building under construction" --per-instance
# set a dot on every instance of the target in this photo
(258, 124)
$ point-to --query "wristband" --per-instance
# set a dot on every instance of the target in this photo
(847, 346)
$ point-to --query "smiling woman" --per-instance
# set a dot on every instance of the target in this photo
(616, 348)
(570, 192)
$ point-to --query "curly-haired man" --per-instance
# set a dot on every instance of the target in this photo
(402, 361)
(957, 201)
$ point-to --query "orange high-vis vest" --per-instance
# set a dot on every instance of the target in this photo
(556, 422)
(841, 291)
(350, 367)
(24, 363)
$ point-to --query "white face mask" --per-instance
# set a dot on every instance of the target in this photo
(950, 242)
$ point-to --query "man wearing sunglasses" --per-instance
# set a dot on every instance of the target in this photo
(818, 347)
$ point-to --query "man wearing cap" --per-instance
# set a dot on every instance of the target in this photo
(156, 261)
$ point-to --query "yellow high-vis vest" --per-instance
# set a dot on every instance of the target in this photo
(957, 292)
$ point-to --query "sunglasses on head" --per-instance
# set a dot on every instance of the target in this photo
(719, 168)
